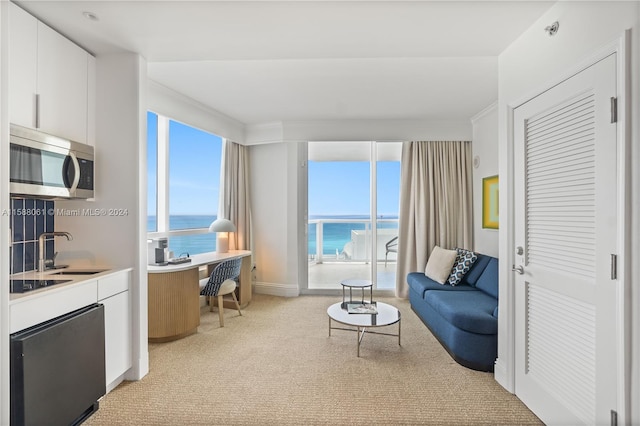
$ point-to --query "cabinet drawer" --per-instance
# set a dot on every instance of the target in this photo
(113, 284)
(50, 305)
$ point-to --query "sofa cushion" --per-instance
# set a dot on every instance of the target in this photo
(420, 283)
(440, 264)
(469, 310)
(488, 281)
(464, 260)
(476, 269)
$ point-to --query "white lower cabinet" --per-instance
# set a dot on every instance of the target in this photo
(113, 293)
(117, 336)
(111, 290)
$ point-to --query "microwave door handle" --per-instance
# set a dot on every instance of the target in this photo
(76, 175)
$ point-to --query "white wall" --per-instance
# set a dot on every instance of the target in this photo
(530, 64)
(106, 239)
(274, 211)
(485, 150)
(358, 130)
(120, 183)
(176, 106)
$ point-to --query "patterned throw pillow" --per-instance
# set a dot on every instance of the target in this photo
(461, 266)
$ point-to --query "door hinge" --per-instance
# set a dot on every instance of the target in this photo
(614, 110)
(614, 267)
(614, 418)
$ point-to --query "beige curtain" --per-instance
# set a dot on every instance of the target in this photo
(436, 204)
(234, 201)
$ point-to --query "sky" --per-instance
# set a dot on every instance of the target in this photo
(342, 188)
(194, 169)
(335, 187)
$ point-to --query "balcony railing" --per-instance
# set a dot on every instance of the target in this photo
(349, 240)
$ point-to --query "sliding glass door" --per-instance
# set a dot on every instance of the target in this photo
(349, 183)
(387, 205)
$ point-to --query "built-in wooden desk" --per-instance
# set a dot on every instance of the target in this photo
(174, 294)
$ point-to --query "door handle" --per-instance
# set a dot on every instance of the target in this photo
(519, 269)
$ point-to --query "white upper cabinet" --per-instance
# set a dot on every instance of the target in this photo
(62, 85)
(49, 80)
(23, 64)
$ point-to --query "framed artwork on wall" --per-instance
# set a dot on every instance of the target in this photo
(490, 202)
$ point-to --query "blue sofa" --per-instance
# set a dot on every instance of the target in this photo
(464, 318)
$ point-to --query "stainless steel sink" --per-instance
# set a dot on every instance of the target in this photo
(79, 272)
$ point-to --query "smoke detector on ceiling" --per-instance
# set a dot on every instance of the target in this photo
(552, 29)
(90, 16)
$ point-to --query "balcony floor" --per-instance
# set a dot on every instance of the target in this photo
(329, 274)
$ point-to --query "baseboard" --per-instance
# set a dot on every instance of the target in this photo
(139, 369)
(275, 289)
(501, 375)
(111, 386)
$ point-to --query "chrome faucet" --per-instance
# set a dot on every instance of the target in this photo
(41, 259)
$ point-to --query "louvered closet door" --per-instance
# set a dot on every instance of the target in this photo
(565, 222)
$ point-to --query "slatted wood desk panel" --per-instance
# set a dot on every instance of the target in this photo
(174, 294)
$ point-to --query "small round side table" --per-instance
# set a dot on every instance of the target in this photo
(355, 283)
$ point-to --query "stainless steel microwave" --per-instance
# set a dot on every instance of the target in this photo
(46, 166)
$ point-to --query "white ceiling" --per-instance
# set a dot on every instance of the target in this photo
(264, 61)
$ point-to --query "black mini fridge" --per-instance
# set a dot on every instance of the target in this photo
(58, 369)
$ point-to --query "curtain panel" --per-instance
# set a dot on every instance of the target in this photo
(436, 203)
(234, 203)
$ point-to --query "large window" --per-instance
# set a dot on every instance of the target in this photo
(183, 184)
(152, 171)
(349, 183)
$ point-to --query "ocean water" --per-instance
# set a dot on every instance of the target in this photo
(334, 235)
(188, 244)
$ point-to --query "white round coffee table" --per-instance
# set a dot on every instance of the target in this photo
(387, 315)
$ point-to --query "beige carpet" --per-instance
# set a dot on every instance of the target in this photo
(276, 365)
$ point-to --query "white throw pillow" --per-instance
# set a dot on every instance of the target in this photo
(440, 264)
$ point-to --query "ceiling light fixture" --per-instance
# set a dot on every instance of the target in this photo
(552, 29)
(90, 16)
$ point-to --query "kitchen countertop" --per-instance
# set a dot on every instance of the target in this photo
(59, 274)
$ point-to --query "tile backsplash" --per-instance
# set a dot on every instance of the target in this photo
(29, 219)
